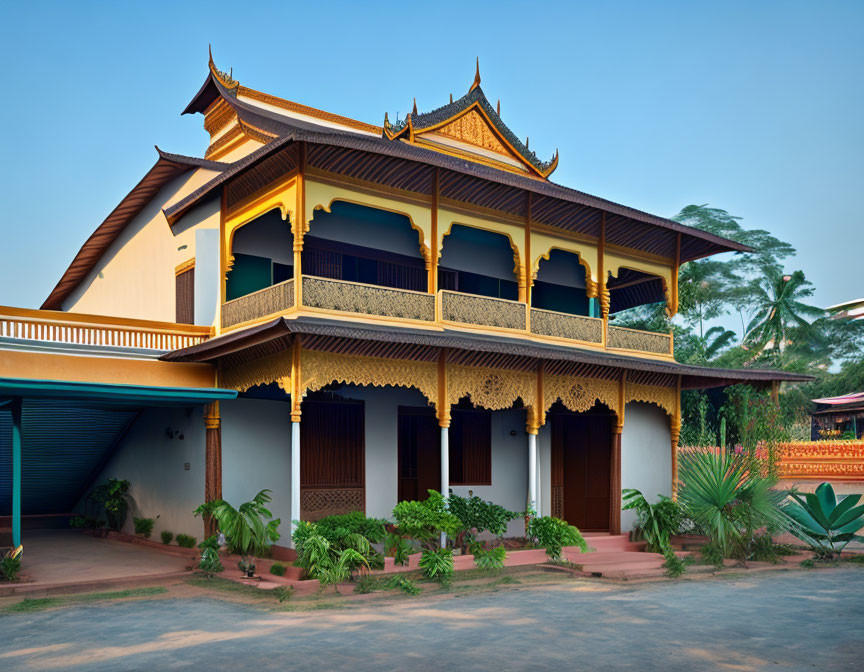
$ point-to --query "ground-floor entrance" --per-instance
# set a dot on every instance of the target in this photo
(582, 467)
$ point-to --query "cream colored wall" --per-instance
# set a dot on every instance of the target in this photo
(135, 277)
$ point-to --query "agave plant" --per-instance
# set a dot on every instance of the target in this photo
(729, 499)
(823, 523)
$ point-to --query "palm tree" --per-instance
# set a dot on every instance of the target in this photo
(715, 340)
(779, 310)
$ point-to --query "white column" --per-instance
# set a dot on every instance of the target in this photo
(445, 470)
(532, 471)
(295, 476)
(539, 482)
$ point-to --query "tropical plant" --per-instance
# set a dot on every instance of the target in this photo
(554, 534)
(278, 569)
(323, 560)
(437, 564)
(425, 521)
(476, 517)
(186, 541)
(656, 523)
(210, 563)
(488, 559)
(167, 537)
(824, 524)
(10, 564)
(728, 501)
(112, 495)
(404, 584)
(249, 529)
(398, 548)
(366, 584)
(353, 531)
(144, 526)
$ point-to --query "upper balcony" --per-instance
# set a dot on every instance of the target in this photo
(365, 262)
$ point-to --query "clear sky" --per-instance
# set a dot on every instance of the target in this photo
(757, 108)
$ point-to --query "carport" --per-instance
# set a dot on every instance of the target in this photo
(55, 437)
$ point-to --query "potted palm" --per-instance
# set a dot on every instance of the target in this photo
(113, 496)
(248, 529)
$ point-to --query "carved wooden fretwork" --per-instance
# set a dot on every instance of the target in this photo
(664, 397)
(319, 368)
(275, 368)
(634, 339)
(354, 297)
(318, 503)
(563, 325)
(493, 389)
(579, 394)
(473, 129)
(557, 501)
(482, 310)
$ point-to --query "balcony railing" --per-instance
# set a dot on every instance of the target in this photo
(564, 325)
(622, 338)
(483, 311)
(49, 327)
(355, 297)
(264, 302)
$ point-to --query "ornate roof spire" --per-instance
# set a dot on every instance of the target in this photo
(414, 111)
(498, 108)
(476, 77)
(451, 97)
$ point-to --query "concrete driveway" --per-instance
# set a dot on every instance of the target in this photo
(793, 620)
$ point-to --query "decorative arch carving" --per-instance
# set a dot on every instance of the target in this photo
(614, 274)
(319, 368)
(287, 215)
(664, 397)
(275, 368)
(517, 255)
(590, 285)
(580, 394)
(494, 389)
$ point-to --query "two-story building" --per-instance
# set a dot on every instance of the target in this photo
(395, 308)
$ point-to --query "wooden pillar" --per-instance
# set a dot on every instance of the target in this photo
(527, 265)
(296, 401)
(775, 391)
(15, 408)
(615, 470)
(432, 262)
(672, 307)
(213, 461)
(674, 435)
(299, 226)
(602, 292)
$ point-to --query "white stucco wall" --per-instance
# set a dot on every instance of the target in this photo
(154, 463)
(646, 455)
(207, 271)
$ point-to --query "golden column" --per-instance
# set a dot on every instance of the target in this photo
(674, 435)
(615, 471)
(213, 460)
(602, 292)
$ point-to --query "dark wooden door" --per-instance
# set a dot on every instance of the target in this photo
(581, 469)
(419, 453)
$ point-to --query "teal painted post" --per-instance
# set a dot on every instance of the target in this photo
(592, 307)
(16, 472)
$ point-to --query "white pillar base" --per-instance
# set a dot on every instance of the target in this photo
(295, 478)
(445, 471)
(532, 472)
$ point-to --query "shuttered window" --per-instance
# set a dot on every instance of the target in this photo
(185, 308)
(332, 445)
(470, 447)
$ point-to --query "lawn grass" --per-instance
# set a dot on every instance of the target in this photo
(31, 604)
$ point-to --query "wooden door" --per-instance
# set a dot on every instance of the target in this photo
(419, 453)
(581, 469)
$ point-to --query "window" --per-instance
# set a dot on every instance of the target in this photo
(185, 300)
(470, 447)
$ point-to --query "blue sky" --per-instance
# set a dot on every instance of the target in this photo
(757, 108)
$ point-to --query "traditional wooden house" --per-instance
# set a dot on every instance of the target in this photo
(400, 307)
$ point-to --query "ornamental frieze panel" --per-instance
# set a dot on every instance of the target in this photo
(664, 397)
(579, 394)
(493, 389)
(319, 368)
(473, 129)
(275, 368)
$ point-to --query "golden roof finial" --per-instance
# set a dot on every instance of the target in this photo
(386, 119)
(451, 97)
(210, 52)
(476, 76)
(498, 109)
(526, 141)
(414, 111)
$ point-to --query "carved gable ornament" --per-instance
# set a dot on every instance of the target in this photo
(472, 128)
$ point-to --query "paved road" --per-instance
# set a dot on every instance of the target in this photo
(783, 621)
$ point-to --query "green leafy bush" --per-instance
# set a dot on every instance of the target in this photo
(425, 521)
(656, 523)
(477, 516)
(167, 537)
(277, 569)
(283, 593)
(10, 565)
(210, 563)
(339, 526)
(404, 584)
(112, 495)
(366, 584)
(674, 565)
(330, 562)
(85, 522)
(186, 541)
(489, 559)
(437, 564)
(554, 534)
(144, 526)
(826, 526)
(398, 548)
(248, 529)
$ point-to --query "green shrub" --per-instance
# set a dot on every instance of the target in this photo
(808, 563)
(425, 521)
(144, 526)
(210, 563)
(283, 593)
(398, 548)
(10, 566)
(437, 564)
(85, 522)
(334, 528)
(477, 516)
(112, 496)
(366, 584)
(713, 554)
(329, 562)
(277, 569)
(489, 559)
(674, 565)
(404, 584)
(554, 534)
(186, 541)
(167, 537)
(764, 549)
(656, 523)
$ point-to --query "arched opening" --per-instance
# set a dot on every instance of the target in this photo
(561, 284)
(631, 288)
(474, 261)
(358, 243)
(581, 468)
(263, 252)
